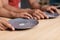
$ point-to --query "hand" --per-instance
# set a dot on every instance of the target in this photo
(24, 15)
(5, 25)
(51, 9)
(38, 14)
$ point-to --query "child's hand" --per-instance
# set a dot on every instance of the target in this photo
(38, 14)
(5, 25)
(51, 9)
(24, 15)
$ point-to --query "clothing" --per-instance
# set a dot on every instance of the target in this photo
(14, 3)
(54, 1)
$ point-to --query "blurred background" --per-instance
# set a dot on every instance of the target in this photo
(50, 2)
(25, 3)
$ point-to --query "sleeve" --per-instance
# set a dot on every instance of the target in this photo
(14, 3)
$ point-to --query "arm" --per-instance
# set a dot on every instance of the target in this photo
(4, 12)
(10, 14)
(34, 4)
(11, 8)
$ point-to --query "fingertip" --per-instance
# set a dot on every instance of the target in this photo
(35, 18)
(42, 17)
(13, 29)
(52, 11)
(47, 17)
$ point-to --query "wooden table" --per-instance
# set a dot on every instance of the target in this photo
(46, 30)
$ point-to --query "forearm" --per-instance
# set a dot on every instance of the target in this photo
(6, 13)
(34, 4)
(10, 14)
(11, 8)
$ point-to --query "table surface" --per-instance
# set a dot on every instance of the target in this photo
(48, 29)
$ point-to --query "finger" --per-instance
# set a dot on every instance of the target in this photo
(8, 25)
(56, 10)
(37, 16)
(2, 29)
(51, 11)
(25, 17)
(29, 15)
(45, 16)
(3, 26)
(41, 16)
